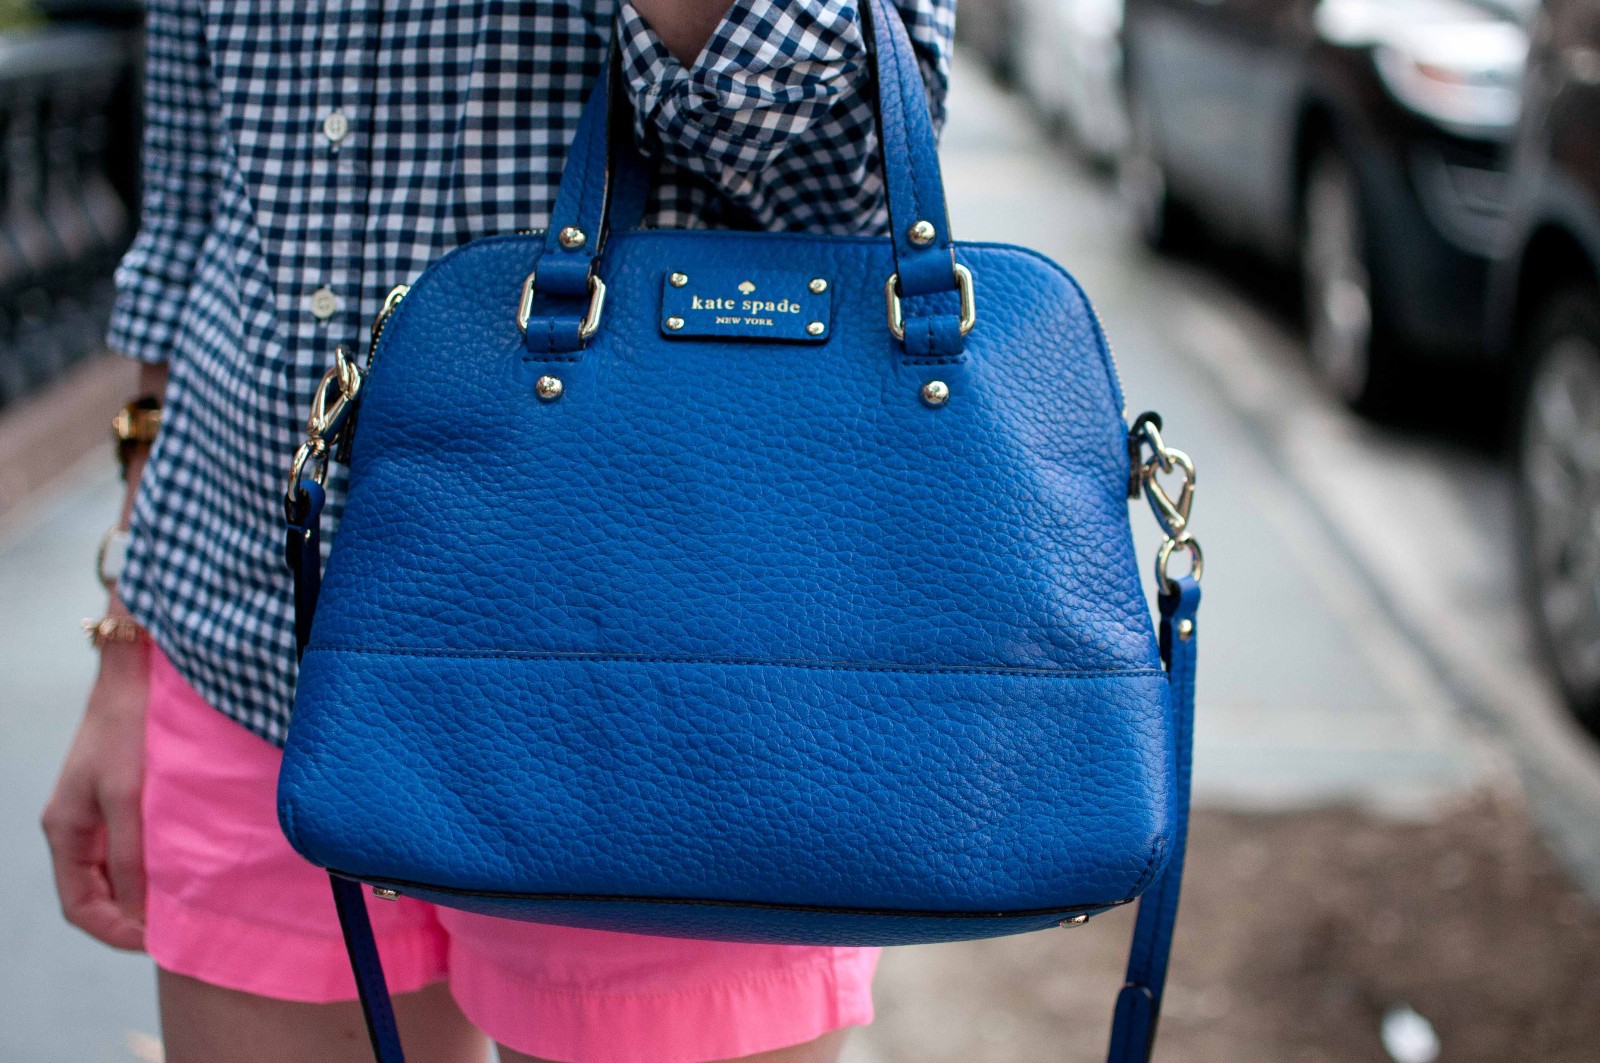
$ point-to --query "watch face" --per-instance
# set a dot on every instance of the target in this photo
(113, 555)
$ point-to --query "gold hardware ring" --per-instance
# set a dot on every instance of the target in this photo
(1197, 562)
(897, 319)
(313, 449)
(591, 319)
(1172, 514)
(336, 392)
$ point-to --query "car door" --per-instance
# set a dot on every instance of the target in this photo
(1219, 74)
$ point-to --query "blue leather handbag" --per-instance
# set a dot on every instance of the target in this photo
(746, 586)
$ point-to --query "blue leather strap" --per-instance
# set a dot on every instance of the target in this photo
(1133, 1029)
(303, 552)
(914, 182)
(915, 189)
(350, 900)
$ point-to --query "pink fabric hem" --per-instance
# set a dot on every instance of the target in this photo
(268, 961)
(590, 1024)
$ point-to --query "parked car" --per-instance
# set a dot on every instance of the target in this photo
(987, 29)
(1360, 142)
(1068, 61)
(1546, 311)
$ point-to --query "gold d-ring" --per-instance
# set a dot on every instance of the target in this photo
(897, 319)
(591, 319)
(1197, 562)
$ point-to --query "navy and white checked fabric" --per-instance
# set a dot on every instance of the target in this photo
(303, 158)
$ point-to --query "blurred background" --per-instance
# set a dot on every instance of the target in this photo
(1351, 250)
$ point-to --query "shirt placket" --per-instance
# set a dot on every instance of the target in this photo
(338, 130)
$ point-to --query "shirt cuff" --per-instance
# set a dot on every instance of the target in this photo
(144, 333)
(149, 308)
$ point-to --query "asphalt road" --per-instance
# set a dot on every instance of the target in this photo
(1362, 644)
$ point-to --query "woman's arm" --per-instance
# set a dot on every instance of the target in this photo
(684, 26)
(92, 820)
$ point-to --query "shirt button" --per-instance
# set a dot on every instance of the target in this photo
(324, 304)
(336, 126)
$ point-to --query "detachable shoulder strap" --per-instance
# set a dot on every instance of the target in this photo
(1138, 1005)
(1133, 1030)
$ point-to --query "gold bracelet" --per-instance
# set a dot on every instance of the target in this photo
(108, 629)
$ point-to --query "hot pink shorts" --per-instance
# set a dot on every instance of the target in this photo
(232, 905)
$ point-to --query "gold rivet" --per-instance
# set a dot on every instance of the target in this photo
(1077, 920)
(816, 328)
(674, 323)
(922, 233)
(935, 393)
(548, 388)
(678, 280)
(572, 237)
(385, 894)
(818, 286)
(1185, 630)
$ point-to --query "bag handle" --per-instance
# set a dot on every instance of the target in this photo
(561, 303)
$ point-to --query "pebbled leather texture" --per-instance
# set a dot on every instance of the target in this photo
(738, 623)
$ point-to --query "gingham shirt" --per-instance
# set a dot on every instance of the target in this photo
(302, 158)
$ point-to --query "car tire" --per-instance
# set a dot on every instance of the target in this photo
(1344, 330)
(1142, 185)
(1558, 491)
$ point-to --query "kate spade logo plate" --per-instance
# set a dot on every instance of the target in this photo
(746, 305)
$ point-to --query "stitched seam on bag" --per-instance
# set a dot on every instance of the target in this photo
(286, 818)
(755, 662)
(406, 885)
(1149, 873)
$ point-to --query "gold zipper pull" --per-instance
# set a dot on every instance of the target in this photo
(390, 301)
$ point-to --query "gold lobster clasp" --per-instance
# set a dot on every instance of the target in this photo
(1171, 510)
(897, 318)
(330, 411)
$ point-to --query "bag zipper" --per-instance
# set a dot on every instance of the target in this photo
(390, 303)
(1111, 353)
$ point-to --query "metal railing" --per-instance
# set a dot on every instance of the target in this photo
(69, 133)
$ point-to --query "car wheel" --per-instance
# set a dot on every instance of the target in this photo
(1558, 491)
(1143, 187)
(1340, 317)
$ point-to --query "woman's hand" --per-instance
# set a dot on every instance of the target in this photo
(92, 821)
